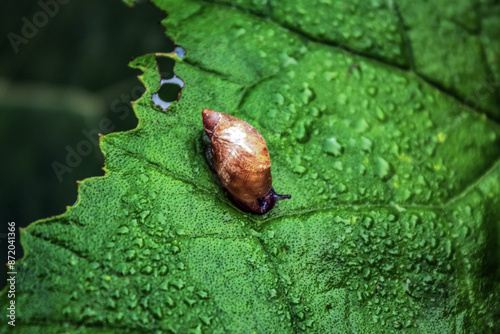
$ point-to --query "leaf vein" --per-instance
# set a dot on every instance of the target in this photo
(350, 51)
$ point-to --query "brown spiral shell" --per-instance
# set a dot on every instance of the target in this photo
(241, 159)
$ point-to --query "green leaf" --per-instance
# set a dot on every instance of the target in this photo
(394, 217)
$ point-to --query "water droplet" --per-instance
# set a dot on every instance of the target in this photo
(190, 302)
(366, 144)
(279, 99)
(121, 268)
(299, 169)
(202, 294)
(301, 131)
(368, 223)
(382, 168)
(111, 303)
(286, 60)
(329, 76)
(307, 94)
(144, 214)
(239, 32)
(130, 255)
(389, 267)
(361, 125)
(139, 242)
(333, 147)
(311, 75)
(468, 210)
(380, 114)
(447, 248)
(170, 302)
(366, 273)
(147, 270)
(123, 230)
(178, 284)
(372, 91)
(272, 113)
(342, 99)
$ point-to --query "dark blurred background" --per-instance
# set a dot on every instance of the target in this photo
(63, 79)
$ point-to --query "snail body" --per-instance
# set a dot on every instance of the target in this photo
(240, 157)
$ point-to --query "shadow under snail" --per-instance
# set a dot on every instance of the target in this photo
(240, 157)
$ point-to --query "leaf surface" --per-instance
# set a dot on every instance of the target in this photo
(394, 217)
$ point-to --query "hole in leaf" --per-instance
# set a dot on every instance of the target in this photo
(165, 67)
(170, 91)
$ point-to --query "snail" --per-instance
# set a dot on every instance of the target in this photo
(240, 157)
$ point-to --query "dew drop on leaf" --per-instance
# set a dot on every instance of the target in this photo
(333, 147)
(382, 168)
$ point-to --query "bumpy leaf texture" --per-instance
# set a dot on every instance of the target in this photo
(381, 118)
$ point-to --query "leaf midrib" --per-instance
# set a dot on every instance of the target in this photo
(343, 48)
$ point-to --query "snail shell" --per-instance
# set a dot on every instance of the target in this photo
(241, 159)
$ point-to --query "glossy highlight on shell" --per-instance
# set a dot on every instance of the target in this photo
(240, 157)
